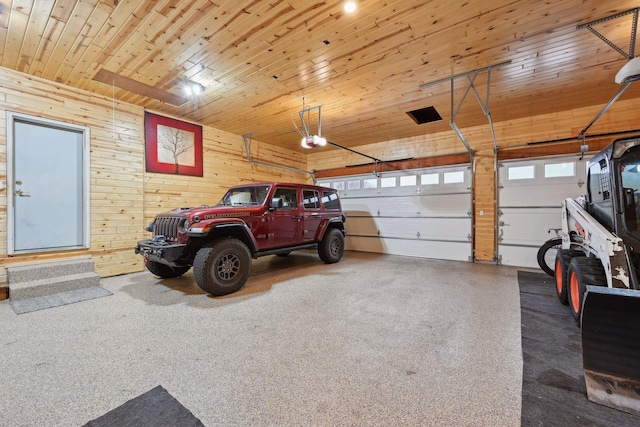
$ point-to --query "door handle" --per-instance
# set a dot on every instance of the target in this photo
(296, 217)
(22, 193)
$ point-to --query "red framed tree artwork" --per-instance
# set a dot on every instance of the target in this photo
(172, 146)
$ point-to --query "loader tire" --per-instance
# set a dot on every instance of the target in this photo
(547, 255)
(583, 271)
(563, 257)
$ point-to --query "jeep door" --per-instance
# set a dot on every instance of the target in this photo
(311, 214)
(285, 222)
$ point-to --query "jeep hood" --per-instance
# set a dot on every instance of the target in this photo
(208, 212)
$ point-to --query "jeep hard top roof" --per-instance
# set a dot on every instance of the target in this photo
(285, 184)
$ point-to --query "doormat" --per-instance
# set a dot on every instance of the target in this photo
(553, 388)
(55, 300)
(154, 408)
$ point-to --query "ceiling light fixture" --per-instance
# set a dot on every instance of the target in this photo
(350, 6)
(192, 89)
(312, 141)
(309, 139)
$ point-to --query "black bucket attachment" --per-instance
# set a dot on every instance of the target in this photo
(611, 347)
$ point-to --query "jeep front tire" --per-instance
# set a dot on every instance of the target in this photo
(223, 267)
(331, 247)
(165, 271)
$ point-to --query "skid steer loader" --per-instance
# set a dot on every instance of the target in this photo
(597, 270)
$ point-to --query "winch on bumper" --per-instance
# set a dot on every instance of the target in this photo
(157, 249)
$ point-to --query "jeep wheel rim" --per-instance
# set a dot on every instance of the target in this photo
(335, 246)
(228, 267)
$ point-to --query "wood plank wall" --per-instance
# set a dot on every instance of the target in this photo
(117, 164)
(512, 136)
(124, 197)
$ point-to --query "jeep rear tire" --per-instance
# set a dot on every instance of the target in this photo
(331, 247)
(223, 267)
(165, 271)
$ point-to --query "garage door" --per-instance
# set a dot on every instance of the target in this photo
(422, 213)
(530, 200)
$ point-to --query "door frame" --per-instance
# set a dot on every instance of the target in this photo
(11, 118)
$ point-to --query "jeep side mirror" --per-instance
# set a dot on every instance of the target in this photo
(276, 203)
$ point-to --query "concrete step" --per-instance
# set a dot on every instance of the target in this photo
(38, 280)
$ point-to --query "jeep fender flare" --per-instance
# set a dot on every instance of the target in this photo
(228, 226)
(330, 223)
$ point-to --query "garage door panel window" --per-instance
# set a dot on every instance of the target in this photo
(454, 177)
(353, 185)
(406, 181)
(430, 179)
(521, 172)
(558, 170)
(370, 183)
(389, 181)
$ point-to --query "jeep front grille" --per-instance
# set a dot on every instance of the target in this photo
(167, 227)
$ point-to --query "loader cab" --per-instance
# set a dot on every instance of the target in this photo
(613, 188)
(599, 195)
(628, 177)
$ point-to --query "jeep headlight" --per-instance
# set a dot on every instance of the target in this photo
(150, 226)
(185, 224)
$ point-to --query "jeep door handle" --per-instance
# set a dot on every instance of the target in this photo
(296, 217)
(22, 193)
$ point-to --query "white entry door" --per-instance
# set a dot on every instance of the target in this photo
(47, 185)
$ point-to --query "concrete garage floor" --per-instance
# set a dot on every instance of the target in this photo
(373, 340)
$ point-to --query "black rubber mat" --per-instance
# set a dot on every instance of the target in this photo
(154, 408)
(553, 388)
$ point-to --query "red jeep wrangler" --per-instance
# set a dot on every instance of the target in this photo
(250, 221)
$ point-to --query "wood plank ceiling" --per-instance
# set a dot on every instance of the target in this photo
(257, 59)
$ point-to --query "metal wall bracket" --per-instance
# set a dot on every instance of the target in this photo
(629, 56)
(248, 139)
(484, 105)
(471, 76)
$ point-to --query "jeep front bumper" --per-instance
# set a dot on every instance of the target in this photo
(162, 252)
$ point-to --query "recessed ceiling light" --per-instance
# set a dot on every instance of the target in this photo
(192, 89)
(350, 6)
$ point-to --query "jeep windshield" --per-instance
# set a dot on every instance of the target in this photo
(245, 196)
